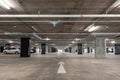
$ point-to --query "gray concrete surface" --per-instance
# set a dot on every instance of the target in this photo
(78, 67)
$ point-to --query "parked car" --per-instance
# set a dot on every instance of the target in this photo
(11, 50)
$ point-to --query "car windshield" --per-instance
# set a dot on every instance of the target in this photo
(13, 48)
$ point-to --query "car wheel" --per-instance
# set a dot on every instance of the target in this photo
(5, 52)
(16, 52)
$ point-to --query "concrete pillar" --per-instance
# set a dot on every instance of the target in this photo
(25, 47)
(70, 49)
(100, 47)
(67, 50)
(43, 48)
(117, 49)
(74, 48)
(46, 48)
(52, 49)
(1, 48)
(49, 49)
(80, 48)
(88, 50)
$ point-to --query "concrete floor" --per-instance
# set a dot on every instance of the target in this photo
(45, 67)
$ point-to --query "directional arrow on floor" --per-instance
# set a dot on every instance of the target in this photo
(61, 69)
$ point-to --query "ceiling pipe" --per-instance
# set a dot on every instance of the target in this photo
(63, 21)
(44, 34)
(60, 16)
(106, 34)
(102, 34)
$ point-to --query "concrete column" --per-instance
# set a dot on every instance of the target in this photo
(70, 49)
(25, 47)
(88, 50)
(100, 47)
(46, 48)
(49, 49)
(1, 48)
(117, 49)
(80, 48)
(43, 48)
(52, 49)
(74, 48)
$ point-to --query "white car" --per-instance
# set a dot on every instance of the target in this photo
(11, 50)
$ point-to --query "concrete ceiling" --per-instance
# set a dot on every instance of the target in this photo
(58, 7)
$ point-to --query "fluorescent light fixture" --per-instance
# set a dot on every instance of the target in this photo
(14, 33)
(91, 28)
(77, 39)
(10, 41)
(35, 35)
(85, 44)
(5, 4)
(106, 39)
(47, 39)
(6, 33)
(36, 44)
(113, 42)
(8, 4)
(73, 42)
(53, 44)
(116, 4)
(12, 46)
(34, 28)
